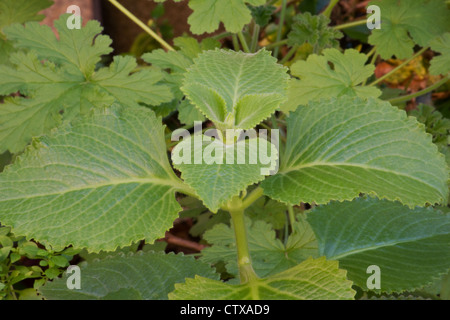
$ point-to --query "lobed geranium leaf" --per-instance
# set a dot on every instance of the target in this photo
(313, 29)
(268, 254)
(102, 182)
(338, 148)
(313, 279)
(410, 246)
(236, 89)
(319, 81)
(441, 64)
(174, 64)
(405, 23)
(218, 171)
(137, 276)
(21, 11)
(65, 84)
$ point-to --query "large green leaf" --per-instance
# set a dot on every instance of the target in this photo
(65, 84)
(405, 23)
(268, 254)
(102, 182)
(411, 247)
(218, 171)
(143, 275)
(320, 81)
(236, 89)
(313, 279)
(338, 148)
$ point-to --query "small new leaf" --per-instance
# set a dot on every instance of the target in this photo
(314, 30)
(247, 88)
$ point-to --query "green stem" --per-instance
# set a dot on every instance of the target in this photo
(288, 55)
(235, 42)
(243, 42)
(222, 35)
(291, 216)
(372, 60)
(350, 24)
(142, 25)
(419, 93)
(280, 27)
(276, 44)
(255, 38)
(246, 272)
(252, 197)
(387, 75)
(327, 11)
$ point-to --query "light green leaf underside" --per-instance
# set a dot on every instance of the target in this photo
(405, 23)
(103, 182)
(341, 147)
(441, 64)
(268, 254)
(65, 85)
(319, 81)
(247, 88)
(313, 279)
(411, 247)
(215, 176)
(139, 276)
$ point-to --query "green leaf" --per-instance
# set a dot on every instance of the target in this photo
(410, 246)
(268, 254)
(405, 23)
(313, 279)
(217, 171)
(145, 275)
(320, 81)
(246, 88)
(262, 14)
(441, 64)
(102, 182)
(65, 85)
(208, 14)
(268, 210)
(20, 11)
(339, 148)
(313, 29)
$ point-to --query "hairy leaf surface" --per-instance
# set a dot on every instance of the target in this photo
(102, 182)
(217, 171)
(313, 279)
(338, 148)
(138, 276)
(411, 247)
(236, 89)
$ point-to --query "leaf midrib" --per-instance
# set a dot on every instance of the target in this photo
(385, 244)
(150, 180)
(358, 165)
